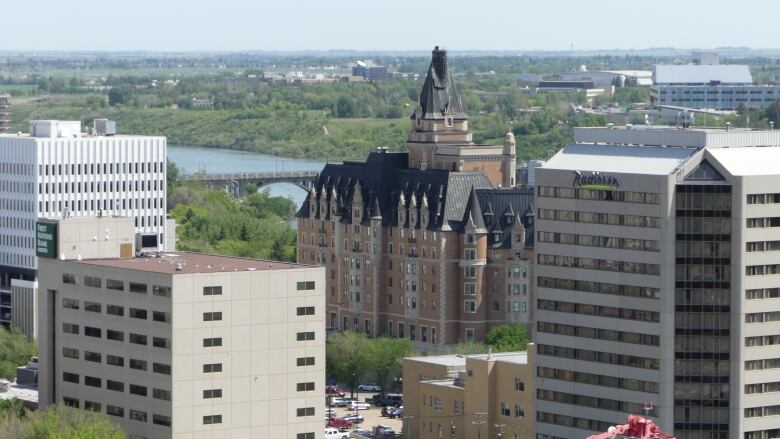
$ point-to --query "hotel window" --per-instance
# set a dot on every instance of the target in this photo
(304, 436)
(470, 334)
(138, 313)
(161, 291)
(161, 342)
(159, 316)
(519, 385)
(114, 360)
(91, 306)
(161, 420)
(92, 406)
(70, 303)
(212, 316)
(212, 368)
(305, 311)
(212, 291)
(92, 332)
(115, 310)
(115, 335)
(94, 357)
(138, 288)
(137, 390)
(68, 278)
(505, 410)
(304, 387)
(115, 386)
(470, 306)
(469, 272)
(470, 254)
(212, 342)
(305, 286)
(305, 361)
(519, 411)
(305, 336)
(212, 393)
(70, 353)
(306, 411)
(92, 381)
(164, 395)
(138, 339)
(117, 285)
(137, 415)
(70, 377)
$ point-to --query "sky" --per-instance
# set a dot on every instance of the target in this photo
(292, 25)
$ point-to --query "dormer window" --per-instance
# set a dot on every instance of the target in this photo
(509, 220)
(448, 121)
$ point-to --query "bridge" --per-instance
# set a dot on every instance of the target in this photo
(235, 183)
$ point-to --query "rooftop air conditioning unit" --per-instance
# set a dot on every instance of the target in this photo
(105, 127)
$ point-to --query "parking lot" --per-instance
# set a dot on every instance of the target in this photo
(372, 415)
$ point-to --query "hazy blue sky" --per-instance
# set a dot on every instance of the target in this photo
(385, 24)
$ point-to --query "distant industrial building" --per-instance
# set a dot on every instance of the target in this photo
(588, 87)
(709, 85)
(610, 77)
(369, 71)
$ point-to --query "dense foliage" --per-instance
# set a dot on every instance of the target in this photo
(56, 422)
(15, 351)
(351, 357)
(212, 222)
(508, 338)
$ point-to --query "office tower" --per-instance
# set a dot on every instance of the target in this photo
(182, 345)
(656, 282)
(55, 170)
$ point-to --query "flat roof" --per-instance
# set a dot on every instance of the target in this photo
(17, 391)
(654, 160)
(748, 161)
(460, 360)
(189, 263)
(442, 360)
(701, 74)
(677, 137)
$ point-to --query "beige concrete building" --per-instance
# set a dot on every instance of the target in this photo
(657, 283)
(469, 397)
(186, 345)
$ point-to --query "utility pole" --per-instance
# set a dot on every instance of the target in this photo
(500, 428)
(479, 423)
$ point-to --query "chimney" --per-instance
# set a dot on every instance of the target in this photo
(440, 62)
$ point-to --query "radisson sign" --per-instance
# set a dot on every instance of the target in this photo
(595, 180)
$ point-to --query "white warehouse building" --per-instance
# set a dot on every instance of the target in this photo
(55, 170)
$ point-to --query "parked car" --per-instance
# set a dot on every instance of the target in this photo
(334, 391)
(337, 401)
(334, 433)
(382, 432)
(329, 413)
(339, 423)
(359, 434)
(356, 405)
(386, 410)
(369, 388)
(396, 412)
(385, 400)
(355, 418)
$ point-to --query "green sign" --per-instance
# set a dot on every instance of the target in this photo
(46, 239)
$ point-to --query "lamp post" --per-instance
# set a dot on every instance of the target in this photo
(452, 430)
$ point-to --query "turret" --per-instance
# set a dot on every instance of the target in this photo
(510, 161)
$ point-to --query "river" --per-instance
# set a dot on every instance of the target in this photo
(191, 159)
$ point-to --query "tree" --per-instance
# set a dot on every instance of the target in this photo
(347, 358)
(251, 188)
(172, 174)
(15, 351)
(385, 355)
(120, 95)
(345, 107)
(508, 338)
(59, 422)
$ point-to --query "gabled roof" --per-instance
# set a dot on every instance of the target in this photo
(507, 201)
(439, 95)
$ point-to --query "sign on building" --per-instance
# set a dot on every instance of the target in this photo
(46, 239)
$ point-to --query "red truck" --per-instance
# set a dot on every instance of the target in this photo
(334, 391)
(340, 423)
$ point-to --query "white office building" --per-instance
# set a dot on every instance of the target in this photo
(184, 345)
(55, 170)
(658, 283)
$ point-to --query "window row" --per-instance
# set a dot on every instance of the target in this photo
(116, 360)
(506, 410)
(762, 293)
(612, 219)
(773, 221)
(116, 386)
(117, 285)
(762, 387)
(762, 270)
(598, 333)
(762, 246)
(599, 310)
(600, 264)
(599, 287)
(598, 357)
(96, 186)
(762, 340)
(112, 410)
(760, 317)
(101, 168)
(597, 380)
(766, 363)
(758, 412)
(599, 241)
(600, 195)
(140, 339)
(116, 310)
(594, 402)
(763, 198)
(573, 422)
